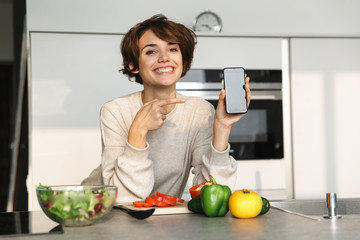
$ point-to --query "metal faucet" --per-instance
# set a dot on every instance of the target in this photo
(331, 203)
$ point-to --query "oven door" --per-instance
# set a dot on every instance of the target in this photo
(259, 134)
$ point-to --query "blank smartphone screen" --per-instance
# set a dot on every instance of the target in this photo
(235, 99)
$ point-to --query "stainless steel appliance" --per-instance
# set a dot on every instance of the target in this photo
(259, 135)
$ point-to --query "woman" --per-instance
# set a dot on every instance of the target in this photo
(152, 139)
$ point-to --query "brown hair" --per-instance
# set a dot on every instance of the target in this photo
(165, 30)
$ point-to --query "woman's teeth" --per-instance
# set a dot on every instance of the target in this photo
(164, 70)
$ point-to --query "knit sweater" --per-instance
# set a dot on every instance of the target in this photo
(182, 144)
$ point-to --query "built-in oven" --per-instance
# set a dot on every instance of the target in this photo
(258, 135)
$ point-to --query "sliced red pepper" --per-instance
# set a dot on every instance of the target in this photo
(195, 190)
(172, 198)
(169, 201)
(157, 198)
(148, 204)
(165, 196)
(161, 204)
(150, 200)
(139, 203)
(155, 202)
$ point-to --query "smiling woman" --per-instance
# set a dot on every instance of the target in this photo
(153, 138)
(163, 29)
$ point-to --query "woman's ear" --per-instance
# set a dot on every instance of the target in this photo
(131, 66)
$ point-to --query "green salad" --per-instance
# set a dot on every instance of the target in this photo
(70, 205)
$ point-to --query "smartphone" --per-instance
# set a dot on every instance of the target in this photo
(235, 97)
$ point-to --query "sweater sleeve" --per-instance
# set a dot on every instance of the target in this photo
(207, 160)
(123, 165)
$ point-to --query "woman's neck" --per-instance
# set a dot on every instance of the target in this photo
(149, 94)
(161, 94)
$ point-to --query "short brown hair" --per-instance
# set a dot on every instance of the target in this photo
(165, 30)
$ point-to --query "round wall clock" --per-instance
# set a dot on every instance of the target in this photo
(207, 22)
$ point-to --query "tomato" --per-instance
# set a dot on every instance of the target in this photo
(195, 190)
(245, 204)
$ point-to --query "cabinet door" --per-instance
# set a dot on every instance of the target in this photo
(71, 76)
(325, 86)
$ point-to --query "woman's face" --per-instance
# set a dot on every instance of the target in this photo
(160, 62)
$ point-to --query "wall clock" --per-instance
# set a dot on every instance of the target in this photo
(207, 22)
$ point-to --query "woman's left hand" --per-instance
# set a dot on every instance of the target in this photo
(224, 121)
(229, 119)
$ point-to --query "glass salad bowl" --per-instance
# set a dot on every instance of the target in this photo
(76, 205)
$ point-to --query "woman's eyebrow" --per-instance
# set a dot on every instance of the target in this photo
(149, 45)
(154, 45)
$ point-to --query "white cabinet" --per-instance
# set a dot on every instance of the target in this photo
(325, 87)
(71, 76)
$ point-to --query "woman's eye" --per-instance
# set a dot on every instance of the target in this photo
(174, 50)
(149, 52)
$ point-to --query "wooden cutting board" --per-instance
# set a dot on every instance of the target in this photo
(180, 208)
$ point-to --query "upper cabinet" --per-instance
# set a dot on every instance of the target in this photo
(250, 18)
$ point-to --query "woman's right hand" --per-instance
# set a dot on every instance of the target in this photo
(151, 116)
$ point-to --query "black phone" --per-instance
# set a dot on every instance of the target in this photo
(235, 97)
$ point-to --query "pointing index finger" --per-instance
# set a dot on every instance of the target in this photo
(171, 101)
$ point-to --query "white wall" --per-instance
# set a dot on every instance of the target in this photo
(263, 17)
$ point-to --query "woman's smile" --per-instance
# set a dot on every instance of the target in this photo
(164, 70)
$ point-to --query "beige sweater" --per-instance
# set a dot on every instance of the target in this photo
(181, 144)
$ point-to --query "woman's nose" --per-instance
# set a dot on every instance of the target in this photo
(164, 57)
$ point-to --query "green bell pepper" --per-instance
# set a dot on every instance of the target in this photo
(212, 201)
(215, 199)
(195, 205)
